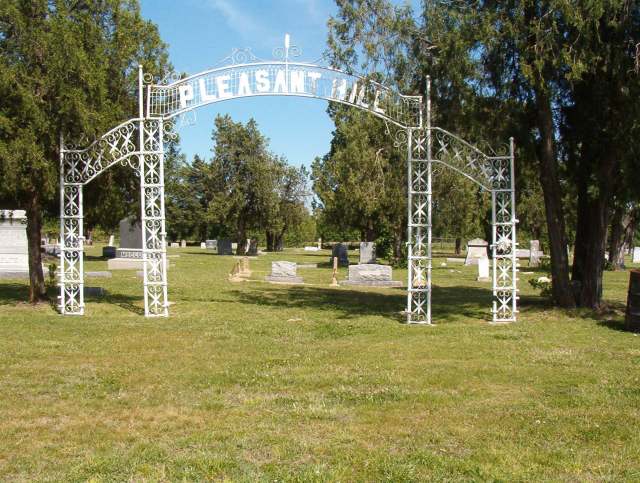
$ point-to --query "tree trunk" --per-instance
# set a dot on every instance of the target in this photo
(616, 243)
(270, 240)
(398, 238)
(561, 288)
(458, 245)
(279, 242)
(591, 237)
(241, 239)
(37, 289)
(369, 232)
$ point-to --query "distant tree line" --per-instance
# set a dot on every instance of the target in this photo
(243, 191)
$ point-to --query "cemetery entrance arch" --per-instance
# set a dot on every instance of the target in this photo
(139, 142)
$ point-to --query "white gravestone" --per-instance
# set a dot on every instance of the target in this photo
(534, 253)
(367, 252)
(211, 244)
(284, 272)
(476, 249)
(636, 255)
(371, 274)
(111, 240)
(203, 246)
(14, 251)
(483, 270)
(183, 244)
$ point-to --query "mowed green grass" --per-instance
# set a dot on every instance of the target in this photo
(252, 381)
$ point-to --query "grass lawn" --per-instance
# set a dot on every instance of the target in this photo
(251, 381)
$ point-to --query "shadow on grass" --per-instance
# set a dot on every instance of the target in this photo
(449, 303)
(127, 302)
(13, 293)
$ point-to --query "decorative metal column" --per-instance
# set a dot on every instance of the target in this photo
(151, 161)
(71, 271)
(151, 168)
(419, 221)
(504, 245)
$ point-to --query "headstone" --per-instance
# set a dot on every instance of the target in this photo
(476, 249)
(636, 255)
(183, 244)
(483, 270)
(109, 252)
(253, 248)
(234, 246)
(175, 245)
(225, 247)
(523, 253)
(534, 253)
(98, 274)
(211, 244)
(371, 274)
(341, 252)
(283, 272)
(52, 249)
(14, 251)
(367, 252)
(111, 240)
(130, 233)
(130, 244)
(203, 246)
(120, 263)
(311, 249)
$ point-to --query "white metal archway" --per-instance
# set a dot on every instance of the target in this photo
(139, 142)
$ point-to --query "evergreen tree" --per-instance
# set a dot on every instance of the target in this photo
(66, 67)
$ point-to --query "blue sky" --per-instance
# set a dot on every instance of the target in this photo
(200, 33)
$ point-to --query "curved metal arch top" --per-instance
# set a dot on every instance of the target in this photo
(278, 78)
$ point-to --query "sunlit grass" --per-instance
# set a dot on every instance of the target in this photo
(251, 381)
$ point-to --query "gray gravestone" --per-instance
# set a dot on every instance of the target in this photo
(225, 247)
(342, 253)
(109, 252)
(14, 251)
(130, 241)
(476, 249)
(371, 274)
(211, 244)
(130, 233)
(636, 255)
(183, 244)
(367, 252)
(283, 272)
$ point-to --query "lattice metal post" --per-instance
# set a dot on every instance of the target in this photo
(151, 166)
(419, 222)
(71, 272)
(504, 245)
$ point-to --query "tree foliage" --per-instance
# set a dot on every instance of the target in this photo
(66, 68)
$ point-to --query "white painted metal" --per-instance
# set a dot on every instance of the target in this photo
(425, 145)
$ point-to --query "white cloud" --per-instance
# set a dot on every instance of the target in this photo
(237, 18)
